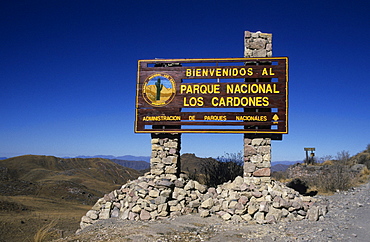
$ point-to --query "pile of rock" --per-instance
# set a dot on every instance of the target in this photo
(150, 197)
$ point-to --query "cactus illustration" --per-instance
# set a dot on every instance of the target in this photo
(159, 87)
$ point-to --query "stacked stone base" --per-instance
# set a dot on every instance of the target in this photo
(151, 198)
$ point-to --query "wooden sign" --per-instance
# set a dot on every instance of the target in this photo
(309, 149)
(234, 95)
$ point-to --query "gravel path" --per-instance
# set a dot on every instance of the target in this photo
(348, 219)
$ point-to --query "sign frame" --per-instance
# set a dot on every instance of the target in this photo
(166, 88)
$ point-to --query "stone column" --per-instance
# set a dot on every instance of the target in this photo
(257, 148)
(165, 158)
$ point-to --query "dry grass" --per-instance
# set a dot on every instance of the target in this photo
(327, 162)
(46, 232)
(44, 197)
(362, 178)
(44, 219)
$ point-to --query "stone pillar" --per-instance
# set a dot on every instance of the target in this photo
(257, 148)
(165, 158)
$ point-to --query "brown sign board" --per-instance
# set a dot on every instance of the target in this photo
(225, 95)
(309, 149)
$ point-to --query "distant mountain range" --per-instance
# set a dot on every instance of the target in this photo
(130, 161)
(282, 165)
(285, 162)
(111, 157)
(143, 162)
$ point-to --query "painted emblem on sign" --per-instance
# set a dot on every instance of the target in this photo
(159, 89)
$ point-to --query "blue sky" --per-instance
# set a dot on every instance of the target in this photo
(68, 71)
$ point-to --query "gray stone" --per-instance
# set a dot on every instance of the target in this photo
(249, 150)
(257, 194)
(87, 220)
(194, 204)
(249, 167)
(262, 172)
(246, 217)
(257, 141)
(256, 158)
(93, 214)
(124, 214)
(259, 53)
(226, 216)
(98, 204)
(136, 209)
(179, 183)
(243, 200)
(154, 193)
(232, 204)
(132, 216)
(155, 141)
(175, 208)
(190, 185)
(154, 214)
(252, 208)
(267, 157)
(264, 207)
(276, 213)
(257, 44)
(302, 212)
(270, 219)
(204, 213)
(104, 214)
(268, 47)
(207, 204)
(144, 215)
(201, 188)
(143, 185)
(166, 193)
(156, 171)
(171, 170)
(160, 200)
(173, 202)
(259, 217)
(236, 218)
(264, 149)
(114, 212)
(313, 213)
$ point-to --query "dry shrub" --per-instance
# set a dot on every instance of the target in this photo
(280, 176)
(336, 177)
(223, 169)
(298, 185)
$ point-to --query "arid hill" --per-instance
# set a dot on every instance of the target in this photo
(191, 163)
(40, 190)
(71, 179)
